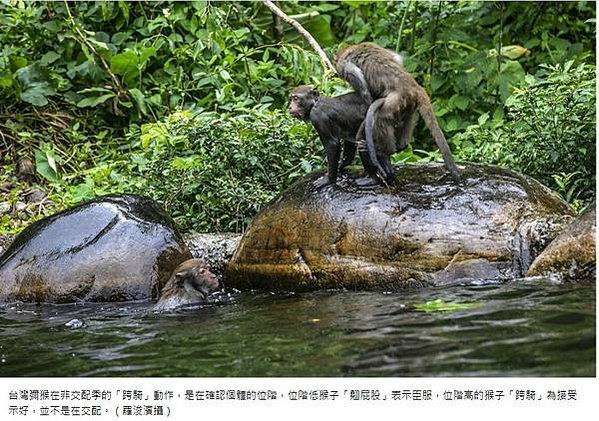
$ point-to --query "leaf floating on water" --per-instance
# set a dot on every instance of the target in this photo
(440, 305)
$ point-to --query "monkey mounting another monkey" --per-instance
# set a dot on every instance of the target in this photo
(336, 119)
(394, 96)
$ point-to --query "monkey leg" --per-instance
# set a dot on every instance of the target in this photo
(349, 152)
(369, 167)
(365, 157)
(406, 130)
(386, 163)
(333, 150)
(369, 134)
(374, 176)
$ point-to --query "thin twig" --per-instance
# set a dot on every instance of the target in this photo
(434, 39)
(326, 63)
(403, 20)
(116, 81)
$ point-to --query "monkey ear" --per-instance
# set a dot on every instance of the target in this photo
(314, 92)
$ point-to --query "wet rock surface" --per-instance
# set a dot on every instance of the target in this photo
(5, 240)
(425, 231)
(214, 249)
(115, 248)
(571, 255)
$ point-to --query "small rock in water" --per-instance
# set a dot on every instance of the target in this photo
(75, 323)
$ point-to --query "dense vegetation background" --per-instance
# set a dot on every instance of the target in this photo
(186, 102)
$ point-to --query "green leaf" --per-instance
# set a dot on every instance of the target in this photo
(124, 9)
(146, 53)
(29, 75)
(37, 93)
(100, 47)
(94, 100)
(49, 57)
(356, 3)
(320, 28)
(45, 164)
(225, 75)
(140, 99)
(124, 63)
(440, 305)
(483, 119)
(436, 82)
(6, 81)
(120, 37)
(460, 102)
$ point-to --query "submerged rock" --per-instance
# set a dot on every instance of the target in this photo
(114, 248)
(571, 255)
(425, 231)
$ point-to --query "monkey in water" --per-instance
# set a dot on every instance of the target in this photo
(190, 283)
(336, 119)
(394, 96)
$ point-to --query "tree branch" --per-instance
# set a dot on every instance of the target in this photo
(83, 40)
(326, 63)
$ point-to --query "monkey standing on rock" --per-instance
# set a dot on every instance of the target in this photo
(393, 96)
(336, 119)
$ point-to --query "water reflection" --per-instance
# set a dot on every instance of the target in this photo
(519, 329)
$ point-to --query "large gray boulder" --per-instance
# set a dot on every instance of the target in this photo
(571, 256)
(425, 231)
(115, 248)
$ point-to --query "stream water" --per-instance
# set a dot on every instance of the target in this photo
(517, 329)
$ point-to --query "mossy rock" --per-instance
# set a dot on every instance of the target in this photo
(425, 231)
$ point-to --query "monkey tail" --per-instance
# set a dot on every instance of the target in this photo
(369, 132)
(426, 111)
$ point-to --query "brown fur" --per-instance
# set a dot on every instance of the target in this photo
(190, 283)
(396, 96)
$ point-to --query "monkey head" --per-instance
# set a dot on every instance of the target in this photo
(301, 101)
(191, 282)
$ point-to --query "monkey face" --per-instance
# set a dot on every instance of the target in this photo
(301, 101)
(199, 280)
(190, 283)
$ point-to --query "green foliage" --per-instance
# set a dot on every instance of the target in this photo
(46, 162)
(215, 173)
(170, 56)
(212, 173)
(92, 93)
(549, 132)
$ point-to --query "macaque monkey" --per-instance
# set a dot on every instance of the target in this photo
(190, 283)
(393, 97)
(336, 119)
